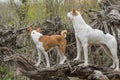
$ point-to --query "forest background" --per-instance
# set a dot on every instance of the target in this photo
(50, 15)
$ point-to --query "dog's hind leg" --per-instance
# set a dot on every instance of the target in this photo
(62, 48)
(115, 57)
(113, 48)
(79, 48)
(112, 45)
(63, 59)
(60, 55)
(108, 52)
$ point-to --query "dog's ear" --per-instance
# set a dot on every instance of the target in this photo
(29, 29)
(38, 29)
(74, 12)
(80, 10)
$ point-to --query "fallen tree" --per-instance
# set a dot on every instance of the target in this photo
(60, 72)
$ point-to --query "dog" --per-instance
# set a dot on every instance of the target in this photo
(85, 35)
(44, 44)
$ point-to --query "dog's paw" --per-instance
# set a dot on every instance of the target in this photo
(76, 59)
(86, 64)
(62, 61)
(113, 66)
(83, 64)
(48, 65)
(116, 69)
(36, 65)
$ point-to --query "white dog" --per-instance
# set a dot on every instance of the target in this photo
(85, 36)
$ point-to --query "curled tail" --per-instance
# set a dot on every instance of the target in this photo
(64, 33)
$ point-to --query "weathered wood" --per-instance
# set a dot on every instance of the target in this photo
(61, 72)
(8, 37)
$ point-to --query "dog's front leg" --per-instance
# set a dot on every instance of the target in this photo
(39, 57)
(85, 48)
(79, 48)
(46, 58)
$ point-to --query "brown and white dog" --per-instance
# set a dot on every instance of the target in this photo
(44, 43)
(85, 36)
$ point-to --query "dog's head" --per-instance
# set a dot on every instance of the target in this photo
(34, 32)
(74, 13)
(37, 29)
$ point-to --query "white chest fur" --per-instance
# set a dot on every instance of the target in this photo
(35, 36)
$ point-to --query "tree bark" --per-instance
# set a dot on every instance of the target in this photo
(61, 72)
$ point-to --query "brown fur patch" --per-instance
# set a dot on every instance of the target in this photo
(38, 29)
(80, 11)
(74, 12)
(52, 41)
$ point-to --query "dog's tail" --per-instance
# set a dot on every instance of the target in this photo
(64, 33)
